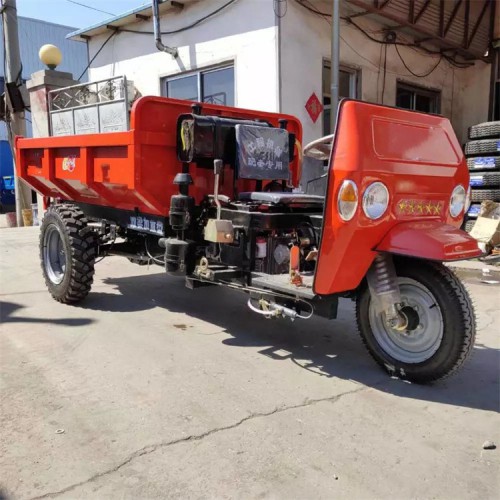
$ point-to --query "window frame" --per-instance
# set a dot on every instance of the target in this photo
(199, 80)
(423, 91)
(354, 84)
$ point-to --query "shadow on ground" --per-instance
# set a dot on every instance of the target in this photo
(321, 347)
(8, 314)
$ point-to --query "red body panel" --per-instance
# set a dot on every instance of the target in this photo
(418, 157)
(430, 240)
(130, 169)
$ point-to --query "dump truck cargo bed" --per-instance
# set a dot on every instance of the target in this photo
(132, 170)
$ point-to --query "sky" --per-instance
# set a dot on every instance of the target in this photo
(69, 13)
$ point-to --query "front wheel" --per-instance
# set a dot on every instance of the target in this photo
(440, 330)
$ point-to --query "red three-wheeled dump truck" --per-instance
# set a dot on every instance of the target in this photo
(211, 193)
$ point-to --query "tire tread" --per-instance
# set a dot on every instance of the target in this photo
(82, 240)
(456, 289)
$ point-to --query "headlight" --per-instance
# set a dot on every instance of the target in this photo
(457, 201)
(347, 200)
(375, 200)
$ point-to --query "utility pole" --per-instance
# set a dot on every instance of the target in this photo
(334, 85)
(16, 124)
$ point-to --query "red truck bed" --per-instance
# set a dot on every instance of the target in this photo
(133, 169)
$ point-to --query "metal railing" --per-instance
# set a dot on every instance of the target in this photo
(91, 108)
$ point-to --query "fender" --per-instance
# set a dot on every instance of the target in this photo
(433, 240)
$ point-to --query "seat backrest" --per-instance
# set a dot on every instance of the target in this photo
(262, 153)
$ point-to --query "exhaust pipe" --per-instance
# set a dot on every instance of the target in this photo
(157, 31)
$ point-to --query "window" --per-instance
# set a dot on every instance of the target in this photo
(417, 98)
(215, 86)
(348, 87)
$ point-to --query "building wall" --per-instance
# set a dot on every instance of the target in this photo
(259, 42)
(244, 33)
(305, 40)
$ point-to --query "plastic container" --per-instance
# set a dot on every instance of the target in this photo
(260, 248)
(11, 219)
(34, 210)
(27, 216)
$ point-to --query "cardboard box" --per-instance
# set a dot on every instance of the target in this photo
(486, 232)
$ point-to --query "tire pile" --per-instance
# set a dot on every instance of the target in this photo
(483, 159)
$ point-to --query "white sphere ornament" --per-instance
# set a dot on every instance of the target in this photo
(50, 55)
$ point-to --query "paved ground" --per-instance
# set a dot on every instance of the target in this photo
(163, 392)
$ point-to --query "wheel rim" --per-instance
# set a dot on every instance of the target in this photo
(414, 345)
(54, 255)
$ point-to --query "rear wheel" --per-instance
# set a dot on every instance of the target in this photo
(440, 328)
(67, 253)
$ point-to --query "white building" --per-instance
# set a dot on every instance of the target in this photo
(273, 55)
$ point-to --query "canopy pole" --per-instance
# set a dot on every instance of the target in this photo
(335, 56)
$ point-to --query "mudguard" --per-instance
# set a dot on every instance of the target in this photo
(433, 240)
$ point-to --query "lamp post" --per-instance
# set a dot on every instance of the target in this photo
(50, 55)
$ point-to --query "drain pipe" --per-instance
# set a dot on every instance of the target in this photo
(156, 24)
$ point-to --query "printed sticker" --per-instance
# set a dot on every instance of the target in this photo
(476, 180)
(69, 163)
(484, 162)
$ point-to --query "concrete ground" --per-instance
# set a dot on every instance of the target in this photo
(149, 390)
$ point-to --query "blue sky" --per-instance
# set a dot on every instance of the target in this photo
(70, 14)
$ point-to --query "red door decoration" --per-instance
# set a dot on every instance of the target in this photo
(314, 107)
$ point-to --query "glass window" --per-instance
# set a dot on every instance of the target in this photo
(417, 98)
(348, 87)
(218, 86)
(215, 86)
(183, 88)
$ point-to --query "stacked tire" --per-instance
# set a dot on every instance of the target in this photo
(483, 160)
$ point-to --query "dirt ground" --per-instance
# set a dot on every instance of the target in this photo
(149, 390)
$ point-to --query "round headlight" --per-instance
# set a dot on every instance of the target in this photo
(457, 201)
(347, 201)
(375, 200)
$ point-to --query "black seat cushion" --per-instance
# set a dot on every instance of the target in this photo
(283, 198)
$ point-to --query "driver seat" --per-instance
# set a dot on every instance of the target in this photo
(282, 198)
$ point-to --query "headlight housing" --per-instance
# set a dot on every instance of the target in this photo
(457, 201)
(375, 200)
(347, 201)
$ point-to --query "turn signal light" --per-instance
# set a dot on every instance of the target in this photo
(347, 201)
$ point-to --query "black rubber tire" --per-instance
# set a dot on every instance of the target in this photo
(469, 225)
(80, 245)
(484, 130)
(458, 318)
(488, 178)
(485, 194)
(488, 146)
(484, 163)
(473, 212)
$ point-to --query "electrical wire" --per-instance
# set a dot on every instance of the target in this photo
(412, 72)
(90, 7)
(312, 9)
(154, 259)
(414, 46)
(180, 30)
(98, 52)
(349, 20)
(384, 74)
